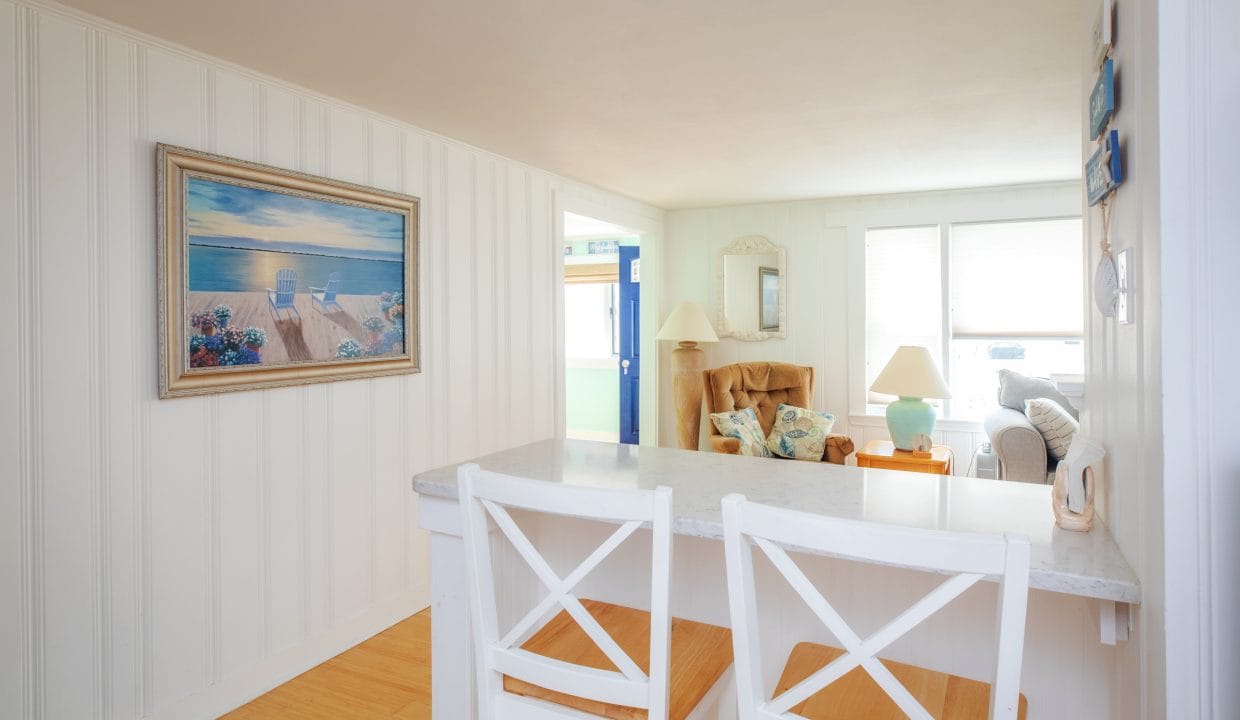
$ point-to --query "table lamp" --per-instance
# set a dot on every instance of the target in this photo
(911, 375)
(687, 325)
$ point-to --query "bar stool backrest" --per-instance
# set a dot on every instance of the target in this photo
(485, 498)
(968, 557)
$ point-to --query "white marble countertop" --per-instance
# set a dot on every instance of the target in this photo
(1085, 564)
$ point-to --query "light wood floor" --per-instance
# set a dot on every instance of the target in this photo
(387, 676)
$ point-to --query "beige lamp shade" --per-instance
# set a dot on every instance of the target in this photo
(687, 323)
(911, 373)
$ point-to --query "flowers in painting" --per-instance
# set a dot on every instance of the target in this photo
(204, 350)
(233, 337)
(349, 348)
(204, 321)
(223, 314)
(393, 305)
(393, 339)
(386, 338)
(254, 337)
(232, 346)
(244, 356)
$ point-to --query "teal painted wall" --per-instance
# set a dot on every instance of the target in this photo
(593, 399)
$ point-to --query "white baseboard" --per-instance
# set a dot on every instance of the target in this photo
(245, 685)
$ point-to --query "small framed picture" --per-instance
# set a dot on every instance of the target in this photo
(768, 299)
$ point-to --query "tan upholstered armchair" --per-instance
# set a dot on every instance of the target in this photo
(763, 386)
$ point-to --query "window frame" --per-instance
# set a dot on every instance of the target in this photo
(945, 289)
(610, 317)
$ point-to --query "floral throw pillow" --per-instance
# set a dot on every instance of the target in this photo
(744, 426)
(799, 433)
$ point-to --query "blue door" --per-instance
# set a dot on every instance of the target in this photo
(630, 341)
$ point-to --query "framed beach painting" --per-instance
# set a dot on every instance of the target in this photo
(269, 277)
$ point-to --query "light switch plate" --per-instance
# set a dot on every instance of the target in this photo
(1125, 297)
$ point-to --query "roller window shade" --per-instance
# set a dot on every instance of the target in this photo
(1017, 279)
(902, 295)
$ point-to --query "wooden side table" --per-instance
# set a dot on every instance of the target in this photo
(883, 455)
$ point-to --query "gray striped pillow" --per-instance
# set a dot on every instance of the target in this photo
(1056, 425)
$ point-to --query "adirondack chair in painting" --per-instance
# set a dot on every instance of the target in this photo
(285, 291)
(326, 295)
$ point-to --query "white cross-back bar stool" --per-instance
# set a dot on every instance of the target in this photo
(570, 657)
(823, 682)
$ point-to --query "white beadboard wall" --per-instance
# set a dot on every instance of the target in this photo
(825, 243)
(1124, 381)
(172, 559)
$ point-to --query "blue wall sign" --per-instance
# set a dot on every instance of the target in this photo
(1102, 100)
(1105, 170)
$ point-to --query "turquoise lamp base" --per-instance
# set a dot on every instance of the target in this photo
(906, 419)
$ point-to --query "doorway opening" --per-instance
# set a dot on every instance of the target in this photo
(602, 329)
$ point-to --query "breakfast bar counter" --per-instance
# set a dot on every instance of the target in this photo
(1070, 565)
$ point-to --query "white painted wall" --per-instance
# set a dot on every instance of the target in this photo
(172, 559)
(825, 243)
(1199, 174)
(1123, 380)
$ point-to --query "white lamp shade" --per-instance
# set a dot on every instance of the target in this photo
(911, 372)
(687, 323)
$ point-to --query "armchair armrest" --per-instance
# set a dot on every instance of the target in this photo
(1019, 446)
(725, 445)
(315, 288)
(838, 448)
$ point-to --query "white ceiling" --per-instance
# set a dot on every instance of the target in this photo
(687, 103)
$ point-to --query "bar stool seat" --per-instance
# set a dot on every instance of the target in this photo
(856, 695)
(701, 653)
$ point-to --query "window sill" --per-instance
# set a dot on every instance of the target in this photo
(872, 419)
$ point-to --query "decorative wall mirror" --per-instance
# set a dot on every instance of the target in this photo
(751, 279)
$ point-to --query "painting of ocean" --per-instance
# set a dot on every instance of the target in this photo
(228, 269)
(282, 278)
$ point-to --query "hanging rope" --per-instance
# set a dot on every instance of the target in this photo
(1106, 208)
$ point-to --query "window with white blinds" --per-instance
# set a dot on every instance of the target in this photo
(1017, 279)
(903, 296)
(981, 297)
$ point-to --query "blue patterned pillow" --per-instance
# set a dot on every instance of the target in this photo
(799, 433)
(744, 426)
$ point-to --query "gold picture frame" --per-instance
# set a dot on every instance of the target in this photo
(270, 277)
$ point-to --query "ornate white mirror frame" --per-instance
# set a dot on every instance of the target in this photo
(752, 245)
